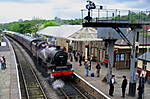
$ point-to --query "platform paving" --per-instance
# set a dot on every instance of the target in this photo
(9, 84)
(104, 87)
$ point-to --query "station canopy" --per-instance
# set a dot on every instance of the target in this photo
(62, 31)
(71, 32)
(85, 34)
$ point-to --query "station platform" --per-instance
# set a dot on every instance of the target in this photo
(9, 80)
(104, 87)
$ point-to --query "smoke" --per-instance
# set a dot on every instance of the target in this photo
(58, 84)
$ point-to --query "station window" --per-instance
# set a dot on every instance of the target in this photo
(117, 57)
(120, 57)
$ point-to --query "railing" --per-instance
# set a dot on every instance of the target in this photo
(115, 15)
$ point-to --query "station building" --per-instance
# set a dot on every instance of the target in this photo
(122, 52)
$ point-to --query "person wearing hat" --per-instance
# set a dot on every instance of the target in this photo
(124, 85)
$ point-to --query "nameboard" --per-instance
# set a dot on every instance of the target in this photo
(3, 44)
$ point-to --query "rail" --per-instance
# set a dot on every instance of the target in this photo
(70, 91)
(33, 88)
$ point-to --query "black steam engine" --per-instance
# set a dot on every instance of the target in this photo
(51, 57)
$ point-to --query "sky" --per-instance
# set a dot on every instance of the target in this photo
(13, 10)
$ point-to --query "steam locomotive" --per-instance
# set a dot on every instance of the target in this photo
(53, 58)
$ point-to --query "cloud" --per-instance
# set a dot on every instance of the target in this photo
(25, 11)
(63, 9)
(12, 10)
(134, 4)
(26, 1)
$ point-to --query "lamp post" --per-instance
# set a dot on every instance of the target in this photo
(89, 6)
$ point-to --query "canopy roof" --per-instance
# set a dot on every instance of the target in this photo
(62, 31)
(71, 32)
(85, 34)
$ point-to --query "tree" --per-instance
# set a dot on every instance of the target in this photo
(50, 23)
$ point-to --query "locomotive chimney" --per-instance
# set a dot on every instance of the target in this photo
(57, 47)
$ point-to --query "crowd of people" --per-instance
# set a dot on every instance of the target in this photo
(78, 57)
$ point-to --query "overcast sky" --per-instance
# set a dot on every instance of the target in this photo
(13, 10)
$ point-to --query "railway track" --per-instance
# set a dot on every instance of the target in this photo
(70, 91)
(31, 88)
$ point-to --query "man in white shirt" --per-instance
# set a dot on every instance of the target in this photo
(111, 84)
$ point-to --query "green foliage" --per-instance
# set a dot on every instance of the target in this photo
(133, 17)
(26, 26)
(50, 23)
(2, 26)
(73, 22)
(32, 26)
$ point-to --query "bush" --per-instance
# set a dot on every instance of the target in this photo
(50, 23)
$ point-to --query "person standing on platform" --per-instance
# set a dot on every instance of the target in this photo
(80, 58)
(98, 68)
(71, 57)
(141, 87)
(90, 62)
(111, 84)
(75, 55)
(86, 64)
(3, 61)
(0, 62)
(123, 86)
